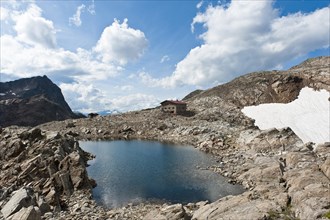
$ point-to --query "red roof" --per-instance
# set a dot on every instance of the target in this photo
(177, 102)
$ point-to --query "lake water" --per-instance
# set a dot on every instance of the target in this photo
(140, 171)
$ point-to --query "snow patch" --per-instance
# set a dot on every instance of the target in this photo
(308, 116)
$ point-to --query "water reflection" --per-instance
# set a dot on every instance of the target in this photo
(134, 171)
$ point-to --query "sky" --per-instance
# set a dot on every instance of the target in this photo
(129, 55)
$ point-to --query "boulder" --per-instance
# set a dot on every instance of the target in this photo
(29, 213)
(52, 135)
(173, 212)
(35, 134)
(14, 148)
(21, 198)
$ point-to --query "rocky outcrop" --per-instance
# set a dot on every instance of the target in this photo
(32, 101)
(38, 171)
(21, 198)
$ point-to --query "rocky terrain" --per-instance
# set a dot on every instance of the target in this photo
(43, 173)
(32, 101)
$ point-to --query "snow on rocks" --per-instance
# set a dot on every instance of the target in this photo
(308, 116)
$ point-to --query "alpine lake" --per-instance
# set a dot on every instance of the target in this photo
(144, 171)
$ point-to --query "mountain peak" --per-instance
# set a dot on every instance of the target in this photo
(32, 101)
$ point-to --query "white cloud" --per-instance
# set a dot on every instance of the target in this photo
(91, 8)
(120, 43)
(134, 102)
(246, 36)
(14, 4)
(33, 50)
(199, 5)
(148, 80)
(164, 59)
(33, 29)
(126, 88)
(75, 19)
(84, 97)
(4, 13)
(22, 60)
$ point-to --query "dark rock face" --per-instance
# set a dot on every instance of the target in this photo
(32, 101)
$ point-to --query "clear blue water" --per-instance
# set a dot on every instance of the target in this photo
(139, 171)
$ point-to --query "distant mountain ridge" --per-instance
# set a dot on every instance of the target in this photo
(32, 101)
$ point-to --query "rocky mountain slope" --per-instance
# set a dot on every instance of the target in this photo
(32, 101)
(284, 178)
(272, 86)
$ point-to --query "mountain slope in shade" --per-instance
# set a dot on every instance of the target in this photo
(32, 101)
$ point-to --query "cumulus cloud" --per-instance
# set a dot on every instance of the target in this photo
(24, 61)
(134, 102)
(75, 19)
(33, 29)
(246, 36)
(120, 43)
(33, 50)
(148, 80)
(84, 97)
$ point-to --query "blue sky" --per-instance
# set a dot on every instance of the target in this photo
(127, 55)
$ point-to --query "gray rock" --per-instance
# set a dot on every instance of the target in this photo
(66, 183)
(29, 213)
(154, 215)
(325, 167)
(15, 148)
(52, 135)
(21, 198)
(43, 206)
(173, 212)
(3, 193)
